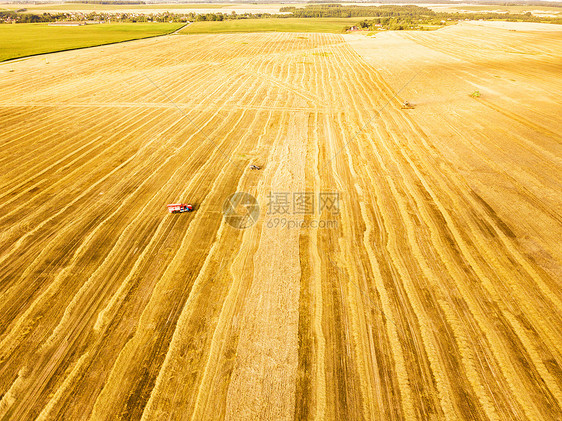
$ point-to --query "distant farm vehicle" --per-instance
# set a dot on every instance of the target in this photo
(407, 106)
(255, 167)
(179, 208)
(476, 94)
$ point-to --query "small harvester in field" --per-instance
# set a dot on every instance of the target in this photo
(179, 208)
(407, 106)
(254, 167)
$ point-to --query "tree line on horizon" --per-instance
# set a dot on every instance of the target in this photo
(394, 17)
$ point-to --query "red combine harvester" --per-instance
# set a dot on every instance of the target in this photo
(179, 208)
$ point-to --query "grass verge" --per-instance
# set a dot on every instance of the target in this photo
(26, 39)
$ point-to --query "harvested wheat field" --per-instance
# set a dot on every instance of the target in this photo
(427, 287)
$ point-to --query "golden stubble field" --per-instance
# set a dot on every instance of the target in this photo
(434, 292)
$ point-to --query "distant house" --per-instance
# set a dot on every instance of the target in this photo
(353, 29)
